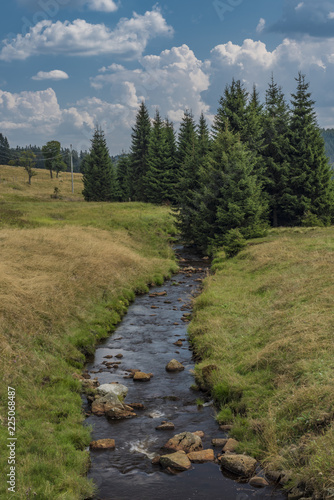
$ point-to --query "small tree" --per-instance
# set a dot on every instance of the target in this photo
(28, 161)
(100, 183)
(53, 158)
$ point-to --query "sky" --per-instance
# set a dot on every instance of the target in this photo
(67, 66)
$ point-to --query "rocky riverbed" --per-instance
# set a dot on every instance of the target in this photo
(151, 438)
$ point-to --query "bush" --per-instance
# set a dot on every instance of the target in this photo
(311, 220)
(233, 243)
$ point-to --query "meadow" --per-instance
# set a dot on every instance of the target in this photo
(69, 270)
(263, 329)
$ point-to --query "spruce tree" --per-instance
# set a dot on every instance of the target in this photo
(122, 169)
(4, 150)
(100, 183)
(158, 177)
(139, 154)
(230, 195)
(203, 137)
(173, 174)
(232, 110)
(276, 153)
(309, 175)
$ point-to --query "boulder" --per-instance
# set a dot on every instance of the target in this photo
(186, 441)
(258, 482)
(241, 465)
(219, 442)
(103, 444)
(177, 461)
(142, 377)
(199, 433)
(119, 356)
(117, 389)
(111, 406)
(174, 366)
(200, 457)
(230, 446)
(165, 426)
(178, 343)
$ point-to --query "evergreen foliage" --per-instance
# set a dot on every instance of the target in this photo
(5, 155)
(100, 182)
(309, 175)
(276, 152)
(233, 110)
(122, 169)
(139, 154)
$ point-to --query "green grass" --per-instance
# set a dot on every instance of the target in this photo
(69, 271)
(263, 328)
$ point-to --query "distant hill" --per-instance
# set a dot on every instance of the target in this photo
(328, 135)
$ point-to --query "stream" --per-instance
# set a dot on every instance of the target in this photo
(146, 338)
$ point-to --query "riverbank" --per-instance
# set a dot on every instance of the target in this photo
(69, 271)
(263, 329)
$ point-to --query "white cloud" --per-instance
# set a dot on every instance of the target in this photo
(173, 81)
(331, 15)
(102, 5)
(79, 38)
(299, 6)
(55, 74)
(260, 27)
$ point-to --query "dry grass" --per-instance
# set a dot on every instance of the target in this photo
(68, 272)
(266, 321)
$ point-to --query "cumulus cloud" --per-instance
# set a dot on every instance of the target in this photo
(55, 74)
(55, 6)
(173, 81)
(79, 38)
(307, 17)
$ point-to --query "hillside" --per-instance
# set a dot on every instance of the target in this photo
(69, 269)
(263, 328)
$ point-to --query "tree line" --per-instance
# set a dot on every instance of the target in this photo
(261, 164)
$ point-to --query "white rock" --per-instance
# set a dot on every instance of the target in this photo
(117, 389)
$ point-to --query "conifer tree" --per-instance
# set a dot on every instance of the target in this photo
(309, 175)
(158, 177)
(203, 138)
(276, 152)
(100, 183)
(229, 195)
(4, 150)
(253, 129)
(173, 174)
(122, 169)
(139, 154)
(232, 110)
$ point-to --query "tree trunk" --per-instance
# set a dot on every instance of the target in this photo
(51, 174)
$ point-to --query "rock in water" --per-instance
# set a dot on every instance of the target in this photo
(240, 465)
(117, 389)
(200, 457)
(174, 366)
(258, 482)
(103, 444)
(111, 406)
(142, 377)
(178, 461)
(186, 441)
(230, 446)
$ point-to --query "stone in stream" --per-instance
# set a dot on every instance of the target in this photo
(258, 482)
(230, 446)
(117, 389)
(119, 356)
(174, 366)
(219, 442)
(200, 457)
(136, 406)
(165, 426)
(108, 357)
(142, 377)
(112, 407)
(103, 444)
(178, 461)
(178, 343)
(186, 441)
(241, 465)
(199, 433)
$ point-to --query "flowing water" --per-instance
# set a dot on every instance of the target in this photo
(146, 340)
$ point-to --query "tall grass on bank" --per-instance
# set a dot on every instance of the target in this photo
(263, 328)
(68, 272)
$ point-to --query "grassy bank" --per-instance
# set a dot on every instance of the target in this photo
(263, 328)
(68, 272)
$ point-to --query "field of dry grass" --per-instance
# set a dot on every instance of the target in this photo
(265, 323)
(68, 272)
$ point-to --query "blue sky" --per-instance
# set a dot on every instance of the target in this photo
(67, 65)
